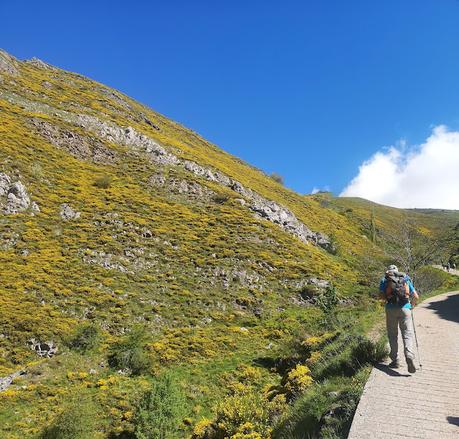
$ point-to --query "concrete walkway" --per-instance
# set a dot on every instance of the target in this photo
(424, 405)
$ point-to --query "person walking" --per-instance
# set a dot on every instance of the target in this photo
(397, 290)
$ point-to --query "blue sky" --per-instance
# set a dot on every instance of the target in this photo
(307, 89)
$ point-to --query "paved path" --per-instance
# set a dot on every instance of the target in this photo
(424, 405)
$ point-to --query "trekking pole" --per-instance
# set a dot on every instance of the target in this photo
(416, 338)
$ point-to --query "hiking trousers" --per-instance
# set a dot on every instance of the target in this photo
(400, 317)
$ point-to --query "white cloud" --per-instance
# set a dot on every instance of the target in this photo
(426, 176)
(316, 190)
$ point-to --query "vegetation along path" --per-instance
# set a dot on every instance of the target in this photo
(396, 404)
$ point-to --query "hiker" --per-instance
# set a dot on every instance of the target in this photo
(397, 290)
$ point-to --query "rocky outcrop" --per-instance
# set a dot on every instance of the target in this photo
(68, 213)
(128, 137)
(40, 64)
(81, 147)
(264, 208)
(309, 290)
(8, 64)
(6, 382)
(45, 349)
(132, 260)
(158, 154)
(14, 197)
(191, 189)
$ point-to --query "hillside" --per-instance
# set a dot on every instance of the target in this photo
(131, 246)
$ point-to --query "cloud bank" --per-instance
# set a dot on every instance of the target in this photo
(425, 177)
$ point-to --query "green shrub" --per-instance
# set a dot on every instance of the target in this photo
(347, 355)
(85, 338)
(327, 301)
(325, 411)
(160, 411)
(366, 352)
(103, 182)
(76, 421)
(129, 353)
(297, 380)
(278, 178)
(241, 412)
(220, 199)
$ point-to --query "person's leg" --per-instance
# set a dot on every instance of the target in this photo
(406, 327)
(392, 332)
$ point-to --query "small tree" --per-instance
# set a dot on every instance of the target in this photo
(373, 227)
(129, 353)
(85, 338)
(160, 410)
(327, 301)
(412, 249)
(277, 177)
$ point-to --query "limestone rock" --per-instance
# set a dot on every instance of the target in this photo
(81, 147)
(8, 64)
(14, 197)
(43, 349)
(5, 382)
(5, 183)
(68, 213)
(40, 64)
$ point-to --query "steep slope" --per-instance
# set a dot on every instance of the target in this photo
(116, 217)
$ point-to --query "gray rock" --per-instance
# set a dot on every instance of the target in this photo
(5, 183)
(34, 207)
(8, 64)
(68, 213)
(128, 137)
(81, 147)
(6, 382)
(17, 198)
(40, 64)
(157, 180)
(45, 349)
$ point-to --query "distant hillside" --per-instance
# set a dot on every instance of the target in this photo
(131, 246)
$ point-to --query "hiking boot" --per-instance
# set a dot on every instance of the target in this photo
(394, 364)
(410, 364)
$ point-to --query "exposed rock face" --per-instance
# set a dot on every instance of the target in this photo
(8, 380)
(8, 64)
(264, 208)
(39, 63)
(81, 147)
(14, 197)
(128, 137)
(43, 349)
(5, 183)
(133, 260)
(156, 153)
(309, 289)
(67, 213)
(183, 187)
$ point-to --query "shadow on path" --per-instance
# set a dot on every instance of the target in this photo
(447, 308)
(453, 420)
(392, 372)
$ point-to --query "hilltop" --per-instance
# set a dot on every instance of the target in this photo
(130, 246)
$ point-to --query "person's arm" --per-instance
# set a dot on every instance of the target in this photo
(413, 293)
(382, 290)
